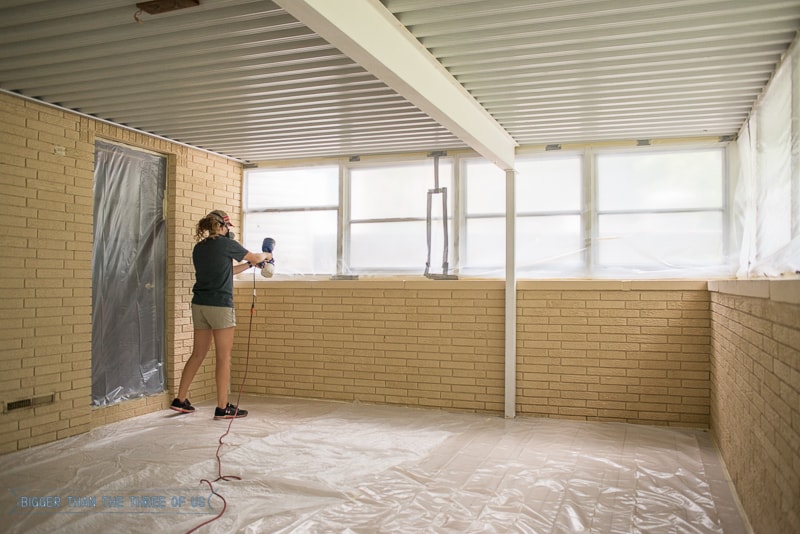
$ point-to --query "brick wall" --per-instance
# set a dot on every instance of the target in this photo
(46, 272)
(425, 343)
(614, 351)
(46, 171)
(755, 399)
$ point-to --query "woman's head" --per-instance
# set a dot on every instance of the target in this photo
(214, 224)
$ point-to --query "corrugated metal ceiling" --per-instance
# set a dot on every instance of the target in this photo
(245, 79)
(555, 71)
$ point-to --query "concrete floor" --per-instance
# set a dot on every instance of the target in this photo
(321, 467)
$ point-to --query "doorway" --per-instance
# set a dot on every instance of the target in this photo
(128, 274)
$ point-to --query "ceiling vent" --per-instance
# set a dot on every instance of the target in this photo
(156, 7)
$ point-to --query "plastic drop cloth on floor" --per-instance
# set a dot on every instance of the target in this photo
(312, 466)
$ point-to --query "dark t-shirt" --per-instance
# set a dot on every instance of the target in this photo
(213, 267)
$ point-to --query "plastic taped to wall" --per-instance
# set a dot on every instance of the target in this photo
(767, 198)
(322, 467)
(661, 214)
(128, 274)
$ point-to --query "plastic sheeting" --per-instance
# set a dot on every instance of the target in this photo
(768, 191)
(310, 467)
(660, 214)
(128, 274)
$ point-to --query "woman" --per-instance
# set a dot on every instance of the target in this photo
(212, 307)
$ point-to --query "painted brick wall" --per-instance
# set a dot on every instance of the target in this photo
(755, 400)
(426, 343)
(617, 351)
(614, 351)
(45, 287)
(46, 170)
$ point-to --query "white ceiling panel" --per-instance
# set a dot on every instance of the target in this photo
(580, 71)
(246, 79)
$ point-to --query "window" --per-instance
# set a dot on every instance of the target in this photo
(484, 243)
(660, 210)
(299, 208)
(549, 235)
(610, 213)
(549, 231)
(387, 227)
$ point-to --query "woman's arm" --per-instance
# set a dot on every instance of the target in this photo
(257, 257)
(251, 259)
(240, 267)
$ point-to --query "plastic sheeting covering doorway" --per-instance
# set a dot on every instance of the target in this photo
(128, 274)
(322, 467)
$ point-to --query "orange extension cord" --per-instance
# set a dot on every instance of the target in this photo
(230, 423)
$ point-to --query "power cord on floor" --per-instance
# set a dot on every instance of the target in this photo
(220, 476)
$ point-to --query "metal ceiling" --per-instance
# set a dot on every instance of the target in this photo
(245, 79)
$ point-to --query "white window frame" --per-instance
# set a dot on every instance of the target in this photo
(589, 210)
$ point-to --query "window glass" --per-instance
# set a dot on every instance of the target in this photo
(547, 241)
(485, 246)
(549, 245)
(398, 246)
(298, 208)
(485, 188)
(287, 188)
(660, 180)
(660, 211)
(305, 241)
(664, 240)
(388, 213)
(654, 211)
(549, 184)
(397, 191)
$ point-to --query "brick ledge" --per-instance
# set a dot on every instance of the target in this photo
(782, 290)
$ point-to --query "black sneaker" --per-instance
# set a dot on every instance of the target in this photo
(183, 407)
(229, 412)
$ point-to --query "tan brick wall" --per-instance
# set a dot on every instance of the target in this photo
(426, 343)
(45, 287)
(46, 272)
(755, 399)
(614, 351)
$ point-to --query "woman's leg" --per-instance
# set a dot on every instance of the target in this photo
(202, 343)
(223, 344)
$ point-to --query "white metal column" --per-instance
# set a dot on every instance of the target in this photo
(511, 299)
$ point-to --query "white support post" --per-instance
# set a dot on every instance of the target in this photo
(511, 299)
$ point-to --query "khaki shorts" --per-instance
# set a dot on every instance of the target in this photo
(212, 317)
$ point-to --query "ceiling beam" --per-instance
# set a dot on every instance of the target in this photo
(370, 34)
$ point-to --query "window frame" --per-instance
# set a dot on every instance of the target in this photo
(458, 218)
(400, 161)
(594, 267)
(247, 210)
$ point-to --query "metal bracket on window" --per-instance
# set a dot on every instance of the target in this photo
(443, 191)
